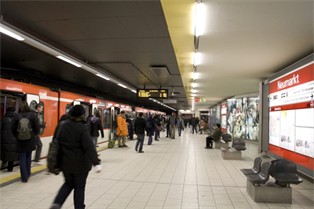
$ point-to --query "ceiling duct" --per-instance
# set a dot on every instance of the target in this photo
(160, 72)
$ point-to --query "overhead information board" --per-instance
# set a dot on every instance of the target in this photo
(152, 93)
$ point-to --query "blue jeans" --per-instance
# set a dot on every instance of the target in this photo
(25, 165)
(140, 141)
(76, 182)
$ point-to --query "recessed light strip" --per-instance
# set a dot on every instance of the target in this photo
(102, 76)
(33, 41)
(7, 31)
(68, 61)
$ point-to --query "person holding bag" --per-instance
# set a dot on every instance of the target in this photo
(77, 154)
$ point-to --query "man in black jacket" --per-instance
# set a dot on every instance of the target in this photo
(78, 154)
(140, 126)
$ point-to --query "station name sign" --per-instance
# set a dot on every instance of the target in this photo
(152, 93)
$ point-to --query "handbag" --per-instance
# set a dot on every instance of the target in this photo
(53, 152)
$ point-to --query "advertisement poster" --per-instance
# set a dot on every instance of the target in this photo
(291, 116)
(243, 117)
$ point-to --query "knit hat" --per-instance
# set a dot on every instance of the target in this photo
(77, 111)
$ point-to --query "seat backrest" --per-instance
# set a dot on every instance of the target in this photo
(265, 170)
(226, 137)
(257, 164)
(238, 144)
(283, 167)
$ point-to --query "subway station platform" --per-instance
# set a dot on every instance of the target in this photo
(171, 174)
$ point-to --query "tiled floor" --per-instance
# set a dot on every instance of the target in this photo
(171, 174)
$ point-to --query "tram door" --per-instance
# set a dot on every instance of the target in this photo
(114, 111)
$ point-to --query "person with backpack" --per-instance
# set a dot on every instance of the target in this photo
(95, 127)
(76, 155)
(26, 128)
(8, 140)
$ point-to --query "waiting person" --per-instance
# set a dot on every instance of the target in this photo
(150, 128)
(180, 125)
(194, 124)
(8, 140)
(215, 136)
(122, 129)
(157, 127)
(24, 145)
(95, 127)
(130, 122)
(173, 123)
(77, 155)
(39, 145)
(167, 121)
(140, 127)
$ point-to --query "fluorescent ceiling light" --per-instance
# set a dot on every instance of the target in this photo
(10, 33)
(119, 84)
(195, 75)
(134, 91)
(200, 19)
(102, 76)
(194, 84)
(69, 61)
(197, 59)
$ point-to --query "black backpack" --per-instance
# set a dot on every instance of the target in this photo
(24, 129)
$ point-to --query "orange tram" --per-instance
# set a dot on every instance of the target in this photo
(56, 103)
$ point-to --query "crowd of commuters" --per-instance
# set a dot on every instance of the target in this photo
(77, 138)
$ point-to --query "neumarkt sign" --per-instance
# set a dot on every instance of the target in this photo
(152, 93)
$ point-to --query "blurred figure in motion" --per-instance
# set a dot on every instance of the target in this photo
(77, 155)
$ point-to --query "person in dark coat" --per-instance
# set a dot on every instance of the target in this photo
(26, 147)
(140, 127)
(95, 127)
(77, 155)
(215, 136)
(8, 140)
(150, 128)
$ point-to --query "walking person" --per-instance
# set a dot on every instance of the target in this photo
(139, 127)
(77, 155)
(39, 145)
(96, 127)
(122, 129)
(26, 128)
(8, 140)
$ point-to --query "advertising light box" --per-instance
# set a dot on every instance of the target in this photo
(291, 116)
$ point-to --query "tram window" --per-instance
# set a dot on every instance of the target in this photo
(33, 104)
(67, 108)
(106, 118)
(7, 100)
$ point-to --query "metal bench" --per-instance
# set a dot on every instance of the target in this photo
(284, 172)
(261, 177)
(238, 144)
(256, 167)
